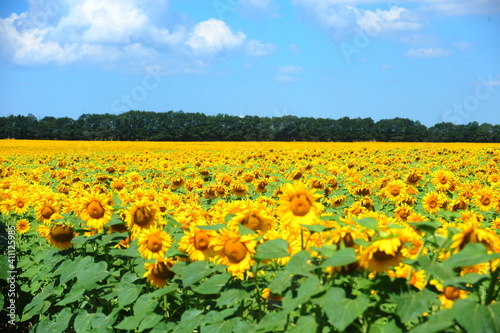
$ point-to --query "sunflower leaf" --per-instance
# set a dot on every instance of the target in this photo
(274, 248)
(341, 257)
(410, 306)
(472, 254)
(476, 317)
(194, 272)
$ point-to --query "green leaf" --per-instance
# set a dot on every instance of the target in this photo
(129, 323)
(410, 306)
(62, 320)
(4, 267)
(472, 254)
(231, 296)
(82, 321)
(383, 325)
(341, 258)
(304, 324)
(214, 284)
(477, 318)
(220, 327)
(272, 322)
(194, 272)
(274, 248)
(245, 231)
(75, 294)
(145, 304)
(342, 311)
(463, 281)
(215, 227)
(438, 322)
(369, 223)
(37, 305)
(428, 227)
(315, 228)
(150, 321)
(190, 320)
(299, 264)
(127, 293)
(310, 287)
(281, 282)
(88, 272)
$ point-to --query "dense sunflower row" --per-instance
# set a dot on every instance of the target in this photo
(227, 199)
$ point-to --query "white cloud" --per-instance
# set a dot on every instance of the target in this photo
(212, 36)
(427, 53)
(116, 33)
(256, 48)
(394, 19)
(289, 70)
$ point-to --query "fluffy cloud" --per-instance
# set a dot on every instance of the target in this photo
(114, 33)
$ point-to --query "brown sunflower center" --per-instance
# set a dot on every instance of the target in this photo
(443, 180)
(154, 244)
(142, 216)
(95, 209)
(300, 205)
(201, 241)
(20, 204)
(61, 233)
(451, 293)
(382, 256)
(395, 191)
(47, 212)
(485, 201)
(251, 222)
(235, 251)
(162, 270)
(433, 204)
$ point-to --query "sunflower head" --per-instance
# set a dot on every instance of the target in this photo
(298, 205)
(382, 254)
(154, 243)
(60, 236)
(23, 226)
(157, 274)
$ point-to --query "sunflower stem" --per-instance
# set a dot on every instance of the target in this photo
(259, 294)
(490, 294)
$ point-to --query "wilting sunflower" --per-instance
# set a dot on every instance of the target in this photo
(141, 215)
(235, 251)
(197, 243)
(297, 205)
(485, 198)
(60, 236)
(95, 209)
(23, 226)
(158, 273)
(433, 201)
(154, 243)
(382, 254)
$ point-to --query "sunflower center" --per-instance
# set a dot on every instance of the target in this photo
(300, 205)
(162, 271)
(443, 180)
(235, 251)
(20, 204)
(451, 293)
(61, 233)
(485, 201)
(382, 256)
(433, 204)
(142, 216)
(47, 212)
(251, 222)
(201, 241)
(154, 244)
(395, 191)
(95, 210)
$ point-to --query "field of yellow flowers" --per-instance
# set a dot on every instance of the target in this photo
(247, 236)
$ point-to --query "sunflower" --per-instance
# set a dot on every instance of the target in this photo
(18, 203)
(235, 251)
(254, 217)
(381, 254)
(395, 190)
(46, 209)
(23, 226)
(485, 198)
(443, 180)
(414, 277)
(239, 189)
(154, 243)
(95, 209)
(402, 212)
(433, 201)
(337, 201)
(159, 272)
(60, 236)
(297, 205)
(473, 233)
(448, 294)
(197, 243)
(142, 214)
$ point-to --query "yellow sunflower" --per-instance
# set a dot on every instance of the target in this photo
(46, 210)
(395, 190)
(154, 243)
(443, 180)
(382, 254)
(473, 233)
(235, 251)
(433, 201)
(23, 226)
(19, 203)
(197, 243)
(448, 294)
(142, 214)
(414, 277)
(297, 205)
(95, 209)
(60, 236)
(485, 198)
(159, 272)
(253, 216)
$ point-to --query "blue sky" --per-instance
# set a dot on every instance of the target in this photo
(427, 60)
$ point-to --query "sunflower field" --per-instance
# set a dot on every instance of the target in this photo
(249, 237)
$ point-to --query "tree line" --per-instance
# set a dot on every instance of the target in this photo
(182, 126)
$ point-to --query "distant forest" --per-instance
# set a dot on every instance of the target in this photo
(181, 126)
